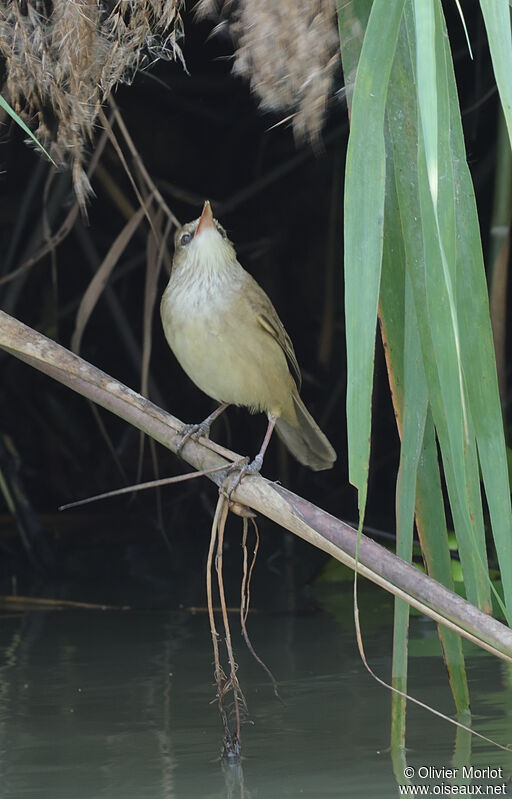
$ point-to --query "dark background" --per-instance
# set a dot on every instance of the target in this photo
(200, 136)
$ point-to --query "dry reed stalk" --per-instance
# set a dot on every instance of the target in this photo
(289, 510)
(63, 58)
(288, 50)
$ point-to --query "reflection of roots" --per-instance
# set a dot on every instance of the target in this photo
(226, 685)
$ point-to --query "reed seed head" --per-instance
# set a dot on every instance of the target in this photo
(289, 52)
(64, 57)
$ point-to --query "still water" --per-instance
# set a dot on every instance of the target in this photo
(118, 704)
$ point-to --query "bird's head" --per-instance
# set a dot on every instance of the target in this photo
(203, 242)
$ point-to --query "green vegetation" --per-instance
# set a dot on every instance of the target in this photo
(413, 258)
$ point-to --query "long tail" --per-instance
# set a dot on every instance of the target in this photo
(305, 440)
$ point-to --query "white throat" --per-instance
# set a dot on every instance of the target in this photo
(209, 251)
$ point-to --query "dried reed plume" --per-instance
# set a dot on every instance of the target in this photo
(288, 50)
(64, 57)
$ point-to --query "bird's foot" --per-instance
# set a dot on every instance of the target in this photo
(239, 469)
(194, 431)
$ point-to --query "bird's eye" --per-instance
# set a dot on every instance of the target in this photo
(186, 238)
(221, 231)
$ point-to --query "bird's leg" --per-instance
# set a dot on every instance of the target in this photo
(203, 428)
(255, 466)
(257, 463)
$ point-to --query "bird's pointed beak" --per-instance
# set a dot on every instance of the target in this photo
(206, 220)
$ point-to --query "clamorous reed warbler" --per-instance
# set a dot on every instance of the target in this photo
(228, 338)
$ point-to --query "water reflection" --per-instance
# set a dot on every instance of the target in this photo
(120, 705)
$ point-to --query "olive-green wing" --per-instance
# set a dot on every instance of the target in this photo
(270, 322)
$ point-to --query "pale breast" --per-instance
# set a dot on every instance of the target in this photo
(218, 341)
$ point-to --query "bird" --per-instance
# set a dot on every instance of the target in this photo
(228, 338)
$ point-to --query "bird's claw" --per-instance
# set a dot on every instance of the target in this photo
(241, 468)
(194, 431)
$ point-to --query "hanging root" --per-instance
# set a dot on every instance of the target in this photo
(220, 677)
(225, 685)
(240, 705)
(246, 597)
